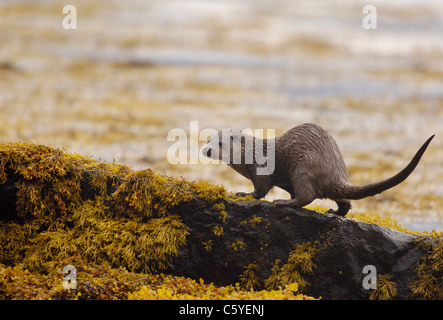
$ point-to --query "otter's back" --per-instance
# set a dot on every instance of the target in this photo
(312, 149)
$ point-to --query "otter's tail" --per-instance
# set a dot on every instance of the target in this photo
(352, 192)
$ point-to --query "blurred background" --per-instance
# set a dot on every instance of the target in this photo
(133, 70)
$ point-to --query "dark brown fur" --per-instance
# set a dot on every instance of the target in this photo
(309, 165)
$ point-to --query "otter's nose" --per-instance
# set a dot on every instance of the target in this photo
(206, 151)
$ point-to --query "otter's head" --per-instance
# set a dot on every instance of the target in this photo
(227, 145)
(242, 152)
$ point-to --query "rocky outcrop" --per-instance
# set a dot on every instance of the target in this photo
(259, 234)
(54, 205)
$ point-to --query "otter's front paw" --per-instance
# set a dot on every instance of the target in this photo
(286, 203)
(279, 203)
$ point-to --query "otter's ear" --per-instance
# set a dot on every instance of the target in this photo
(235, 135)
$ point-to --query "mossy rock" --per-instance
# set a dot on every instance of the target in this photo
(118, 216)
(56, 205)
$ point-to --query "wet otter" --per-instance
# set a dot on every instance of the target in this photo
(307, 163)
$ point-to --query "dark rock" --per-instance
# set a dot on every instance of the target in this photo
(259, 233)
(8, 198)
(345, 247)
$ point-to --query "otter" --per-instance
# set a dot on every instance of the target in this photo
(308, 164)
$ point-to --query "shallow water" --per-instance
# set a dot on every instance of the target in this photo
(134, 70)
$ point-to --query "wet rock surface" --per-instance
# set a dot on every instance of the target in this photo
(344, 247)
(233, 234)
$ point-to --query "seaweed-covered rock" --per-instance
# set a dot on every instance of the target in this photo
(323, 253)
(101, 282)
(55, 205)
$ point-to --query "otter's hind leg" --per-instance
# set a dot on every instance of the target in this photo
(302, 194)
(344, 206)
